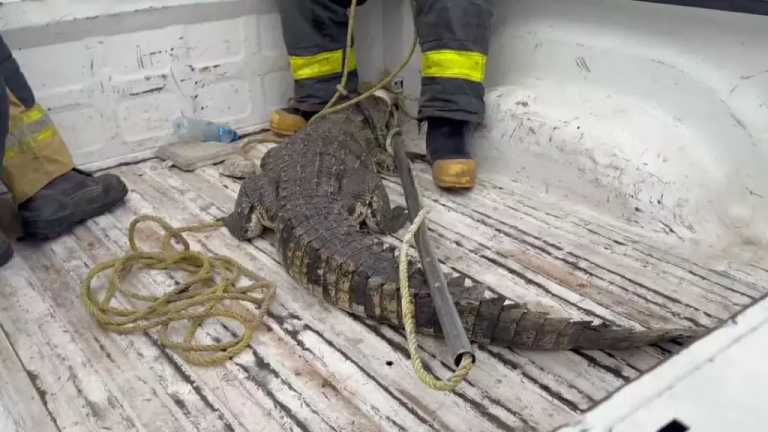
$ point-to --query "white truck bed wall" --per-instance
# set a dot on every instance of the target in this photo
(715, 385)
(648, 112)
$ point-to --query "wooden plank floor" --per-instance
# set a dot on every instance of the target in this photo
(314, 368)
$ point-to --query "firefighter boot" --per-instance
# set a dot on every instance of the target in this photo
(447, 145)
(288, 121)
(68, 200)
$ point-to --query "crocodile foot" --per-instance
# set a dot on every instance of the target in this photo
(251, 214)
(397, 219)
(391, 221)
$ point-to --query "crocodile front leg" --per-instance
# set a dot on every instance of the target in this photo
(363, 195)
(254, 208)
(381, 217)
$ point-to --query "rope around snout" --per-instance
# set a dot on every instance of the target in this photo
(210, 292)
(409, 321)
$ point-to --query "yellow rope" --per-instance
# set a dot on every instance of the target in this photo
(409, 320)
(341, 88)
(211, 291)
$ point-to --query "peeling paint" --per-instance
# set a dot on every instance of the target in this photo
(148, 91)
(581, 62)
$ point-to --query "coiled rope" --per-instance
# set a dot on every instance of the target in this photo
(211, 291)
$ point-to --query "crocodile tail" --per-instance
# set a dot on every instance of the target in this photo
(516, 326)
(492, 319)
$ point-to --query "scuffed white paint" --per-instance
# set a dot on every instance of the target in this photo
(660, 165)
(20, 13)
(6, 421)
(636, 109)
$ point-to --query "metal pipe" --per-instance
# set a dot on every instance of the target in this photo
(450, 323)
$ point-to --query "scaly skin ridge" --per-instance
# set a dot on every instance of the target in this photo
(310, 188)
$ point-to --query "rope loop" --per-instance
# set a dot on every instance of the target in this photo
(409, 320)
(211, 290)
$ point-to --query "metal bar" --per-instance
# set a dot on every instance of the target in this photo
(450, 323)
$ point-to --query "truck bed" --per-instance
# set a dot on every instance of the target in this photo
(315, 368)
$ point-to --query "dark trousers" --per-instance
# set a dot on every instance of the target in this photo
(11, 79)
(454, 37)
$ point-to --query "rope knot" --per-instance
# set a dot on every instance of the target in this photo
(342, 91)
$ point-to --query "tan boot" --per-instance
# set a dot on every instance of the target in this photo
(452, 165)
(454, 173)
(288, 121)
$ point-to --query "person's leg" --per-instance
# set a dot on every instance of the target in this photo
(6, 252)
(5, 118)
(315, 34)
(454, 36)
(52, 196)
(11, 78)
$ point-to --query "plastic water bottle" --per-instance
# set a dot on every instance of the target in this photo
(192, 129)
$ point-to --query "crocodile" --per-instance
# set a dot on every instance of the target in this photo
(322, 194)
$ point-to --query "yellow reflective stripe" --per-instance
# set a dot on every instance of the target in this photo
(11, 144)
(41, 137)
(45, 135)
(320, 65)
(14, 124)
(466, 65)
(10, 154)
(16, 146)
(33, 114)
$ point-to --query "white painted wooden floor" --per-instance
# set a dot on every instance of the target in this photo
(314, 368)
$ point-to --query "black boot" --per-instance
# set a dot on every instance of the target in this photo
(68, 200)
(6, 251)
(447, 138)
(447, 145)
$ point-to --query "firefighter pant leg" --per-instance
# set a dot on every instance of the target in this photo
(5, 107)
(315, 33)
(11, 78)
(454, 36)
(34, 154)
